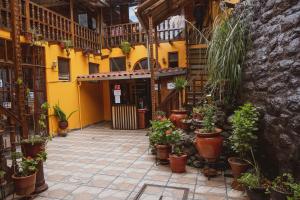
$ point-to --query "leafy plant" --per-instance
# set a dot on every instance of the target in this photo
(226, 53)
(282, 183)
(60, 114)
(295, 187)
(36, 38)
(160, 131)
(209, 118)
(245, 124)
(2, 174)
(67, 45)
(161, 126)
(35, 139)
(125, 47)
(180, 83)
(177, 150)
(160, 113)
(174, 137)
(23, 166)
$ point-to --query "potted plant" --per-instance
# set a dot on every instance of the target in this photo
(209, 142)
(254, 182)
(177, 115)
(67, 45)
(177, 158)
(198, 113)
(2, 177)
(159, 115)
(244, 123)
(24, 174)
(125, 47)
(159, 138)
(62, 118)
(281, 187)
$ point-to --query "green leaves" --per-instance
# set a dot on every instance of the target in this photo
(250, 180)
(209, 118)
(226, 52)
(244, 123)
(60, 114)
(180, 83)
(125, 47)
(23, 166)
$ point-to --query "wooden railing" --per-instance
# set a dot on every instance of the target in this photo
(131, 32)
(171, 102)
(85, 38)
(135, 34)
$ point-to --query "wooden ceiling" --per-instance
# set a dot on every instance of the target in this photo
(58, 3)
(159, 10)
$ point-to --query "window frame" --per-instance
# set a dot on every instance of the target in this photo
(169, 62)
(121, 57)
(92, 63)
(69, 67)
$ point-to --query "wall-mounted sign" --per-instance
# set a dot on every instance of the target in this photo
(156, 87)
(1, 83)
(171, 86)
(6, 104)
(117, 93)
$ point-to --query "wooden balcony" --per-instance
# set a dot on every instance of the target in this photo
(54, 27)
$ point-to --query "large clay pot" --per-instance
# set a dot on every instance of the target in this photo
(63, 125)
(277, 195)
(142, 118)
(257, 194)
(32, 150)
(177, 115)
(238, 166)
(40, 185)
(24, 186)
(162, 152)
(209, 145)
(178, 163)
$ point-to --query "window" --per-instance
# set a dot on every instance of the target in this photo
(141, 64)
(173, 59)
(93, 68)
(117, 64)
(63, 69)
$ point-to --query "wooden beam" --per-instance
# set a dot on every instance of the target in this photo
(152, 63)
(72, 21)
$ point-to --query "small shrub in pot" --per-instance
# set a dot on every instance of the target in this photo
(281, 187)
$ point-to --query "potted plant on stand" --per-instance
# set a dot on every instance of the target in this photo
(159, 138)
(244, 123)
(254, 182)
(125, 47)
(24, 176)
(62, 119)
(177, 115)
(35, 145)
(281, 187)
(209, 142)
(178, 159)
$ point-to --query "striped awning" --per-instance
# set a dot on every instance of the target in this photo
(126, 75)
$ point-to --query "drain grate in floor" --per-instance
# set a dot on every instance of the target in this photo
(159, 192)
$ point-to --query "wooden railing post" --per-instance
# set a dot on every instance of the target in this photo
(27, 15)
(72, 21)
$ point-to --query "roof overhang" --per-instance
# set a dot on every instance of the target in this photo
(159, 10)
(138, 74)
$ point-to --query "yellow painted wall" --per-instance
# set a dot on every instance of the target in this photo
(92, 100)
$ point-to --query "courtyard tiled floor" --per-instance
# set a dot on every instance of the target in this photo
(99, 163)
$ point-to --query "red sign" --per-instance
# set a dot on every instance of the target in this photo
(117, 87)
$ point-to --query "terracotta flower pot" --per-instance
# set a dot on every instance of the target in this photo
(32, 150)
(178, 163)
(278, 195)
(238, 166)
(177, 115)
(209, 145)
(24, 186)
(257, 194)
(63, 125)
(163, 152)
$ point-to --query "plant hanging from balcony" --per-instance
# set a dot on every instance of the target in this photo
(125, 47)
(67, 45)
(35, 38)
(226, 52)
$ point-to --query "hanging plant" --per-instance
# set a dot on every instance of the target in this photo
(125, 47)
(226, 53)
(35, 38)
(67, 45)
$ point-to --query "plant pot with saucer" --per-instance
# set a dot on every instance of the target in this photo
(62, 119)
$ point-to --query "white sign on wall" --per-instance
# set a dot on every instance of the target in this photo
(171, 86)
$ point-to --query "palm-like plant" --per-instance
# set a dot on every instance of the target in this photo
(226, 52)
(60, 114)
(180, 83)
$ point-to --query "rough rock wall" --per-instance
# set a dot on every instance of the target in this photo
(271, 80)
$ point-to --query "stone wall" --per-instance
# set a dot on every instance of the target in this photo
(271, 80)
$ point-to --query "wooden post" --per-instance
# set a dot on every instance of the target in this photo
(72, 21)
(156, 49)
(18, 81)
(152, 63)
(27, 15)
